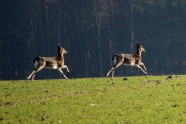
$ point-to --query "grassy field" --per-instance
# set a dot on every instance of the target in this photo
(131, 100)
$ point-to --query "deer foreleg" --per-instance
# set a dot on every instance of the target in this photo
(141, 69)
(143, 66)
(59, 69)
(64, 66)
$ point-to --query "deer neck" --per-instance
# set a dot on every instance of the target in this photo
(61, 57)
(138, 53)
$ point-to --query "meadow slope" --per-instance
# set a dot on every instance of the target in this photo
(131, 100)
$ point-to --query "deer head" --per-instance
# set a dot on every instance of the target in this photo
(61, 50)
(140, 47)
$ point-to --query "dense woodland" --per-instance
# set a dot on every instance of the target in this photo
(92, 31)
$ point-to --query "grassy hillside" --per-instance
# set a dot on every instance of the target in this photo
(139, 99)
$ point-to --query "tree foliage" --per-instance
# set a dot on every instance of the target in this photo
(92, 31)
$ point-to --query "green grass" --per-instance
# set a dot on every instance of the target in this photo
(136, 100)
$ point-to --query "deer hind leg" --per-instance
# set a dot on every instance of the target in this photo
(113, 74)
(30, 75)
(59, 69)
(113, 68)
(141, 69)
(37, 69)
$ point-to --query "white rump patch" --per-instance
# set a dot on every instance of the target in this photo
(114, 60)
(36, 63)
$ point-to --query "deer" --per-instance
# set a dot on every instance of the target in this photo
(50, 63)
(128, 60)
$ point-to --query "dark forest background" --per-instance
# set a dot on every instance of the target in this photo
(92, 31)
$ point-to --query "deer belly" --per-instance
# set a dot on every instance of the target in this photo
(51, 66)
(129, 62)
(54, 67)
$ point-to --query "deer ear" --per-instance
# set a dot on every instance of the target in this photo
(137, 43)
